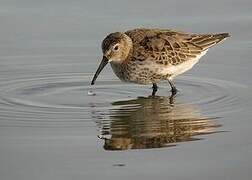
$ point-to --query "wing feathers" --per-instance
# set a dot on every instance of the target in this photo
(208, 40)
(171, 47)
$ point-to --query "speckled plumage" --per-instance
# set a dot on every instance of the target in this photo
(147, 56)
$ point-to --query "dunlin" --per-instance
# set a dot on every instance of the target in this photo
(147, 56)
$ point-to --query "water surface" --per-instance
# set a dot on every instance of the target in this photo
(51, 128)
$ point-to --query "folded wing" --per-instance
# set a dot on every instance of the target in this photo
(169, 47)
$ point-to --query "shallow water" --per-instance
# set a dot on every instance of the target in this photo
(52, 127)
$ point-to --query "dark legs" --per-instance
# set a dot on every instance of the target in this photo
(154, 89)
(173, 88)
(174, 92)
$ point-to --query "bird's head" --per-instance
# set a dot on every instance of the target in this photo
(116, 48)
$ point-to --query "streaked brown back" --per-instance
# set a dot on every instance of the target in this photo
(170, 47)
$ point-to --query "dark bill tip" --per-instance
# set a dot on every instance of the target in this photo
(103, 63)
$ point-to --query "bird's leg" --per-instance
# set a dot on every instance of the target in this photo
(173, 88)
(154, 89)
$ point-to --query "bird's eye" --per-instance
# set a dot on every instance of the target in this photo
(116, 48)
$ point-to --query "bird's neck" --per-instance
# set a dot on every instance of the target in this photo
(128, 51)
(129, 56)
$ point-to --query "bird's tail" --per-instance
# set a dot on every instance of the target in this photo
(206, 41)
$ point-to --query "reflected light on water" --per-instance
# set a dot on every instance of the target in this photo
(152, 122)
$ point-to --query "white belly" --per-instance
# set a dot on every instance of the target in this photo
(164, 72)
(183, 67)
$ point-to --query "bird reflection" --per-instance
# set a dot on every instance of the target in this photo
(152, 122)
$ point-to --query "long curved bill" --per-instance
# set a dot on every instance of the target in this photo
(103, 63)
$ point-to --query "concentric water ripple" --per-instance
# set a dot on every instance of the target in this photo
(62, 100)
